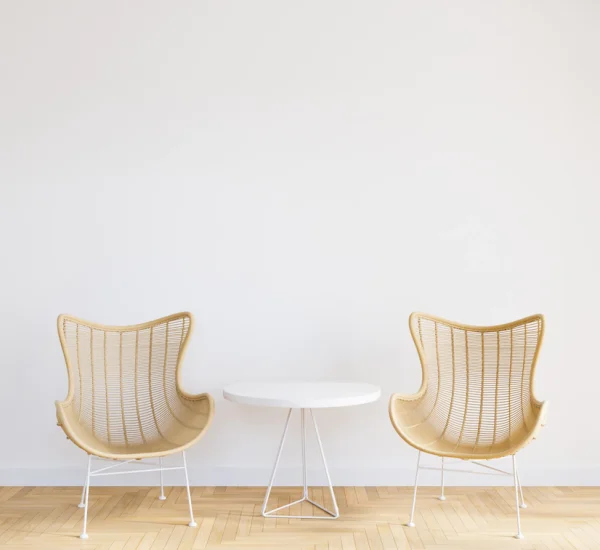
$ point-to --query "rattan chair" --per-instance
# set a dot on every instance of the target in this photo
(476, 400)
(125, 400)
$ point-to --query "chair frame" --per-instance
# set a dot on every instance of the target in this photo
(131, 459)
(134, 462)
(519, 500)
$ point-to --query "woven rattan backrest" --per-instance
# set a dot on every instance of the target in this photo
(123, 380)
(479, 380)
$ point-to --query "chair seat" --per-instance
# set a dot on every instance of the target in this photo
(146, 439)
(423, 430)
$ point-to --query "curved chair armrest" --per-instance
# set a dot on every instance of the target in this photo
(66, 418)
(199, 398)
(414, 399)
(540, 410)
(194, 397)
(542, 406)
(531, 432)
(399, 401)
(63, 412)
(403, 397)
(201, 403)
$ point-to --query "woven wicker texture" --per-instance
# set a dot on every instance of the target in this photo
(476, 399)
(124, 399)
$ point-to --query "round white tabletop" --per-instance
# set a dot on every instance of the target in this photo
(302, 395)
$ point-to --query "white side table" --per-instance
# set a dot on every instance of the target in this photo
(304, 396)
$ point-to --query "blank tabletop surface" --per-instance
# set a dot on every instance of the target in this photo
(302, 395)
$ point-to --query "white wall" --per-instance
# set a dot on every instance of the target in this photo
(301, 176)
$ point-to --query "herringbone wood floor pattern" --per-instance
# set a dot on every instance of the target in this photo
(372, 518)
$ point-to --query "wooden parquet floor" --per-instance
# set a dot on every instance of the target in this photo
(372, 518)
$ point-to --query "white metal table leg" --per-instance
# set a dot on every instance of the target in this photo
(336, 512)
(305, 498)
(519, 535)
(411, 522)
(442, 496)
(268, 493)
(162, 492)
(192, 523)
(84, 534)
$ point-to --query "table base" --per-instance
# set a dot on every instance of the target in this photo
(272, 513)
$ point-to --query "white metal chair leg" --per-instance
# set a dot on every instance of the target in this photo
(192, 523)
(411, 522)
(519, 535)
(162, 491)
(82, 503)
(84, 534)
(522, 505)
(303, 439)
(442, 496)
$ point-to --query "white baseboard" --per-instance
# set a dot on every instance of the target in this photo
(259, 476)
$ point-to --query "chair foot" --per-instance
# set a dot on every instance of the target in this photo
(81, 505)
(441, 497)
(162, 497)
(192, 523)
(519, 536)
(523, 505)
(83, 536)
(411, 522)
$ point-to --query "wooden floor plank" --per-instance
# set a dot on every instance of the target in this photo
(371, 518)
